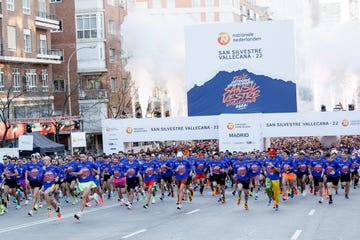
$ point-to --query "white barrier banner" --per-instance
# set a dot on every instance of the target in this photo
(240, 132)
(26, 142)
(112, 139)
(78, 139)
(311, 124)
(163, 129)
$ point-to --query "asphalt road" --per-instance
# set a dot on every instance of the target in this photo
(204, 218)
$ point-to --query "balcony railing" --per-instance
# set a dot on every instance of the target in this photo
(91, 94)
(53, 54)
(43, 20)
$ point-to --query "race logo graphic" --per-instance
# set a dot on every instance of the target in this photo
(254, 168)
(149, 171)
(131, 172)
(164, 168)
(34, 173)
(117, 174)
(216, 170)
(181, 169)
(241, 92)
(345, 169)
(85, 172)
(200, 166)
(230, 126)
(241, 171)
(129, 130)
(345, 123)
(223, 38)
(49, 177)
(302, 167)
(318, 168)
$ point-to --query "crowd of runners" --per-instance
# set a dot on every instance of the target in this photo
(130, 177)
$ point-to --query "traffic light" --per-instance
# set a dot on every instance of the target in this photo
(28, 128)
(76, 125)
(323, 108)
(351, 107)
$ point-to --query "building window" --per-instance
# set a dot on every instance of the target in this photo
(42, 9)
(125, 84)
(58, 52)
(112, 56)
(33, 112)
(210, 17)
(60, 29)
(10, 5)
(16, 79)
(31, 80)
(196, 17)
(156, 3)
(46, 110)
(26, 6)
(225, 3)
(93, 84)
(59, 85)
(19, 112)
(2, 80)
(11, 38)
(170, 4)
(210, 3)
(55, 1)
(196, 3)
(111, 2)
(113, 84)
(43, 45)
(27, 40)
(112, 29)
(45, 80)
(86, 26)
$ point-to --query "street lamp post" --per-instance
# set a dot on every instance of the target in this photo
(69, 88)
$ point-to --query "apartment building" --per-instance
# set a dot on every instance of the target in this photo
(27, 58)
(205, 10)
(92, 68)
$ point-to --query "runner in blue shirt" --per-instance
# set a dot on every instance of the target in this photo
(85, 171)
(10, 174)
(50, 176)
(272, 170)
(218, 168)
(34, 175)
(346, 168)
(132, 167)
(148, 171)
(242, 177)
(316, 170)
(182, 169)
(332, 172)
(166, 173)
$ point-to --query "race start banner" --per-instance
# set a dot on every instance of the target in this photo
(240, 68)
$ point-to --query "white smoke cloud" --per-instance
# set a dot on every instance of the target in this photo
(328, 71)
(327, 68)
(155, 45)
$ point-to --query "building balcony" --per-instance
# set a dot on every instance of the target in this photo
(92, 94)
(44, 21)
(53, 54)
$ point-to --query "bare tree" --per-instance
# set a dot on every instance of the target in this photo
(6, 101)
(121, 102)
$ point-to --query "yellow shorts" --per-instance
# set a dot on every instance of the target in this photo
(83, 185)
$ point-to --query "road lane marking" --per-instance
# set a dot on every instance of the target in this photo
(47, 220)
(191, 212)
(134, 233)
(296, 234)
(312, 211)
